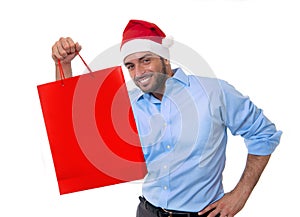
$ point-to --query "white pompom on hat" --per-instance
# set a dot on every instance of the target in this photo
(168, 41)
(140, 36)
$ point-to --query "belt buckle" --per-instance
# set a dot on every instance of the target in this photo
(170, 214)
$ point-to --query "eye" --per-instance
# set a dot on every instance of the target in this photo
(146, 60)
(130, 66)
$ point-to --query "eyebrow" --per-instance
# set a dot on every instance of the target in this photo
(141, 58)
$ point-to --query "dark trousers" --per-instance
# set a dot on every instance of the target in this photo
(143, 210)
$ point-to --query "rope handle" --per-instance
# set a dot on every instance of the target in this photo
(61, 71)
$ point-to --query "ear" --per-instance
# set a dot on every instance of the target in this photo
(167, 62)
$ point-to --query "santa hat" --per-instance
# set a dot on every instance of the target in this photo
(139, 36)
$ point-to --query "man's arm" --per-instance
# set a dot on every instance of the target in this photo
(67, 69)
(243, 118)
(234, 201)
(65, 51)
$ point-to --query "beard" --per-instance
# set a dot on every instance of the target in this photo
(153, 82)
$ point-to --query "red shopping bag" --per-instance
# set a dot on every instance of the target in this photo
(91, 130)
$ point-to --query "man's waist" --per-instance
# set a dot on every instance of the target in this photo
(162, 212)
(186, 196)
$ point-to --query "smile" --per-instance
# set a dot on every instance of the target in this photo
(144, 80)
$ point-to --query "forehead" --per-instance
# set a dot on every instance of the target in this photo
(136, 56)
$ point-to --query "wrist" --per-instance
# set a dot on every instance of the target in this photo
(242, 191)
(66, 70)
(63, 63)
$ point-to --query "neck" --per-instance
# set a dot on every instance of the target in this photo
(159, 95)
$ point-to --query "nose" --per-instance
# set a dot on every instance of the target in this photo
(139, 70)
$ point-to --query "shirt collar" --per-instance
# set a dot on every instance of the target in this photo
(180, 76)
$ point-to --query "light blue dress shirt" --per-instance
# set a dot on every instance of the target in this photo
(184, 138)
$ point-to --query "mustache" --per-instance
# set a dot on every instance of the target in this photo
(143, 76)
(149, 74)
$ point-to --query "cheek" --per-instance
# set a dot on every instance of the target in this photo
(150, 67)
(153, 68)
(131, 74)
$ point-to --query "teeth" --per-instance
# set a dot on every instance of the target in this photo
(143, 80)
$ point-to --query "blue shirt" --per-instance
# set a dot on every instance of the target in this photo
(184, 138)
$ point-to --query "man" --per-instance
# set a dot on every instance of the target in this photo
(182, 122)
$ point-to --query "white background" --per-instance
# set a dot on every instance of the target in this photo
(253, 44)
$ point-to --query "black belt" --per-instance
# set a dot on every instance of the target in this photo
(160, 212)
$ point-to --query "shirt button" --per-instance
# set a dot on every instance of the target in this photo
(168, 146)
(165, 187)
(165, 166)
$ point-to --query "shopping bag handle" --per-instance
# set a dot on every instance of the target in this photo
(61, 71)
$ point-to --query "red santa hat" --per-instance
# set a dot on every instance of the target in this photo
(139, 36)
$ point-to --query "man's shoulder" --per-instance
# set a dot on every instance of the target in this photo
(209, 84)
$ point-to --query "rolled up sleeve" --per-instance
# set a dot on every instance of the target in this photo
(243, 118)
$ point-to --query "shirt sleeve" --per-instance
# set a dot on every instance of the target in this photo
(243, 118)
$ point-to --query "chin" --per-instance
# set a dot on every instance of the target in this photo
(145, 89)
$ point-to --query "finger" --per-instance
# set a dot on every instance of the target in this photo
(61, 52)
(71, 45)
(207, 209)
(54, 55)
(223, 215)
(66, 44)
(77, 47)
(55, 52)
(215, 213)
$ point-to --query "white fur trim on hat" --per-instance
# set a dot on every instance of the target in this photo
(168, 41)
(141, 45)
